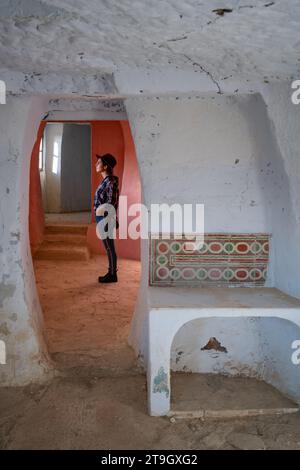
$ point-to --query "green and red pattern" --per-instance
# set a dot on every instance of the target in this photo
(221, 260)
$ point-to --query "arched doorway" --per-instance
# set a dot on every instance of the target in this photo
(86, 324)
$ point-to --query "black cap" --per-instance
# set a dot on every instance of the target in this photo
(108, 159)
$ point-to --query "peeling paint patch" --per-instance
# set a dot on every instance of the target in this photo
(242, 370)
(16, 234)
(4, 330)
(213, 343)
(141, 360)
(179, 353)
(6, 292)
(160, 384)
(91, 104)
(222, 11)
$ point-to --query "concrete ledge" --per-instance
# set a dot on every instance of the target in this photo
(230, 414)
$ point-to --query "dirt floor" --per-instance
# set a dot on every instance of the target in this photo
(87, 323)
(110, 413)
(98, 400)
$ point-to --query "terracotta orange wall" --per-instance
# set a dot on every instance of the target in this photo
(36, 211)
(131, 186)
(107, 137)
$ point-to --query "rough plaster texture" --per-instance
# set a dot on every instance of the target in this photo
(87, 109)
(242, 357)
(20, 309)
(224, 140)
(113, 50)
(285, 122)
(142, 112)
(220, 146)
(171, 144)
(254, 40)
(197, 314)
(255, 347)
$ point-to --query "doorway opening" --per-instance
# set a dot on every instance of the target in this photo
(86, 323)
(65, 172)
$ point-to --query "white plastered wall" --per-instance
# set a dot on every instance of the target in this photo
(238, 155)
(256, 204)
(21, 319)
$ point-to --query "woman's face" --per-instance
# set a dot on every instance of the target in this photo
(99, 166)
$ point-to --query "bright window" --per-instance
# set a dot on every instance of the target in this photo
(55, 158)
(41, 155)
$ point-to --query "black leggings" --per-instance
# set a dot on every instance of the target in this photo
(109, 246)
(111, 254)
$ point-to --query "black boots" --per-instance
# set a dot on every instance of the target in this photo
(109, 277)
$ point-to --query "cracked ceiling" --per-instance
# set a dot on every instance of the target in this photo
(253, 39)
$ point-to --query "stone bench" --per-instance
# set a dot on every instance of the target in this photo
(170, 308)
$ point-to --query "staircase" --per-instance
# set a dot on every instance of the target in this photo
(64, 242)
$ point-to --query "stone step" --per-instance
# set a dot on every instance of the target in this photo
(66, 228)
(65, 237)
(62, 251)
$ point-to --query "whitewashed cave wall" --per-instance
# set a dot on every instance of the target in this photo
(285, 125)
(257, 144)
(21, 318)
(20, 314)
(224, 151)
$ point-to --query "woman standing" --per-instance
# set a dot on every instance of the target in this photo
(107, 193)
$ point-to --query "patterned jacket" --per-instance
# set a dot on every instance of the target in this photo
(107, 192)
